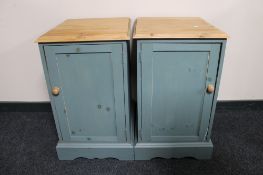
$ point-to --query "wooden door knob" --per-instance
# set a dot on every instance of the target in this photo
(210, 88)
(55, 91)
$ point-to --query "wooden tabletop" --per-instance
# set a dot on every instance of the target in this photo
(100, 29)
(175, 27)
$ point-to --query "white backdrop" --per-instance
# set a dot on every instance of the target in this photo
(22, 21)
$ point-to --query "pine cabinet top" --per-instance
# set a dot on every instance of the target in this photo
(92, 29)
(175, 27)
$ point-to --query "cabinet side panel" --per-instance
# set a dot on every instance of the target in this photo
(126, 81)
(44, 64)
(219, 72)
(139, 91)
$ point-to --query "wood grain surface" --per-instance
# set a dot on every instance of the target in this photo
(93, 29)
(175, 27)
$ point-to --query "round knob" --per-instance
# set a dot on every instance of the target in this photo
(210, 88)
(55, 91)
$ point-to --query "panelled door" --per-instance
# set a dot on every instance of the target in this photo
(175, 104)
(90, 103)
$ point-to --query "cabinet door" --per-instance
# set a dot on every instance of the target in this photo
(90, 106)
(175, 106)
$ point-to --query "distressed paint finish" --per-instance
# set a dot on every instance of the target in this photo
(93, 104)
(173, 105)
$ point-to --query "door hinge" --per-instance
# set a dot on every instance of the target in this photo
(206, 133)
(140, 134)
(125, 132)
(140, 57)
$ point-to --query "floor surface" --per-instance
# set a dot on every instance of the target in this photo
(28, 140)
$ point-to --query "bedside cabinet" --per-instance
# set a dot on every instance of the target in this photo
(86, 68)
(179, 64)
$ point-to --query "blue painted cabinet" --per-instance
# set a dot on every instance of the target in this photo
(92, 102)
(85, 63)
(177, 86)
(175, 104)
